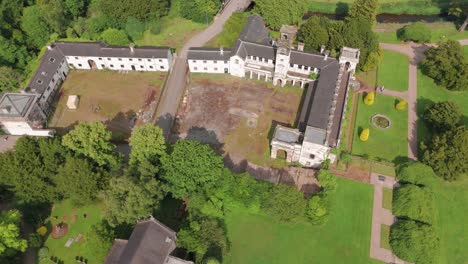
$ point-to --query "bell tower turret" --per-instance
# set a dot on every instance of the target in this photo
(283, 53)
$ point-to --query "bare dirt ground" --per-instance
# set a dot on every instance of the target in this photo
(112, 97)
(237, 117)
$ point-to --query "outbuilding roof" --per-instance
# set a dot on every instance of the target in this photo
(209, 54)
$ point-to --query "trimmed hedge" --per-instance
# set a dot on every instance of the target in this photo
(413, 202)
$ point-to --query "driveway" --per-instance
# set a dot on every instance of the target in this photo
(178, 76)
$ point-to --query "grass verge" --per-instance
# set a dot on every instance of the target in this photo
(393, 71)
(387, 198)
(385, 237)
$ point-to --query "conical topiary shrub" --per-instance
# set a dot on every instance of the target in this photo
(364, 136)
(370, 98)
(401, 105)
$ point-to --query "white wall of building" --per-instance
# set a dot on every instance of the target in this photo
(116, 63)
(19, 128)
(236, 66)
(58, 75)
(312, 154)
(209, 66)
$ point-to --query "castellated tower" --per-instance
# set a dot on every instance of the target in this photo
(283, 52)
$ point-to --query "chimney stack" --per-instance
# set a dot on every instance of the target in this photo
(322, 49)
(300, 46)
(132, 48)
(326, 53)
(221, 50)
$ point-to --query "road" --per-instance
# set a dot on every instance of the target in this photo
(177, 79)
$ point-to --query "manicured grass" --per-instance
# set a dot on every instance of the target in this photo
(387, 198)
(439, 31)
(64, 211)
(385, 236)
(258, 239)
(452, 220)
(421, 7)
(393, 71)
(387, 144)
(429, 92)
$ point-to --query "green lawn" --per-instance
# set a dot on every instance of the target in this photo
(452, 221)
(387, 198)
(393, 71)
(386, 144)
(421, 7)
(429, 92)
(385, 236)
(439, 30)
(64, 211)
(258, 239)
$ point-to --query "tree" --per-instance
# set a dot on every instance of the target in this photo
(116, 12)
(446, 64)
(280, 12)
(30, 169)
(148, 144)
(414, 242)
(211, 260)
(443, 116)
(134, 28)
(366, 9)
(202, 234)
(191, 167)
(284, 202)
(10, 238)
(413, 202)
(327, 180)
(446, 153)
(417, 32)
(10, 79)
(76, 8)
(114, 36)
(313, 34)
(370, 98)
(128, 200)
(415, 173)
(92, 140)
(35, 240)
(317, 209)
(100, 238)
(77, 181)
(201, 11)
(401, 105)
(13, 54)
(364, 136)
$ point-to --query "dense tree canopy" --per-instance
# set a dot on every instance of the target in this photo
(10, 237)
(366, 9)
(116, 12)
(413, 202)
(443, 116)
(446, 153)
(417, 32)
(414, 242)
(201, 11)
(128, 200)
(280, 12)
(317, 209)
(10, 79)
(314, 33)
(416, 173)
(327, 180)
(134, 28)
(114, 36)
(92, 140)
(191, 167)
(446, 64)
(148, 144)
(284, 202)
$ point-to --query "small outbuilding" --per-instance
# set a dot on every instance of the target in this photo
(72, 102)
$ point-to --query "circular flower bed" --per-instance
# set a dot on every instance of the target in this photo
(381, 121)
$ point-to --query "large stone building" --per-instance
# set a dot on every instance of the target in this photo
(151, 242)
(26, 113)
(256, 55)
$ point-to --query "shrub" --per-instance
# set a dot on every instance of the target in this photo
(364, 136)
(313, 76)
(43, 253)
(413, 202)
(415, 173)
(414, 242)
(284, 202)
(443, 116)
(401, 105)
(211, 260)
(327, 180)
(317, 209)
(155, 27)
(114, 36)
(370, 98)
(35, 240)
(42, 230)
(417, 32)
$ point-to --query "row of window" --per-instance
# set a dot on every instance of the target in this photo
(214, 61)
(121, 66)
(120, 59)
(260, 59)
(302, 67)
(206, 69)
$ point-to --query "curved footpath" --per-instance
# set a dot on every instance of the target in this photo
(415, 53)
(178, 76)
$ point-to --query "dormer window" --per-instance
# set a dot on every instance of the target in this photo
(52, 59)
(44, 73)
(39, 81)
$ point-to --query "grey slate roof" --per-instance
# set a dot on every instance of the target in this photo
(151, 242)
(254, 32)
(97, 49)
(315, 135)
(208, 54)
(16, 105)
(49, 64)
(310, 59)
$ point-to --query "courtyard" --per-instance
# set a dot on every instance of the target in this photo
(111, 97)
(237, 116)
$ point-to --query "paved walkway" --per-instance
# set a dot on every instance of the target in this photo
(415, 53)
(7, 142)
(381, 216)
(178, 77)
